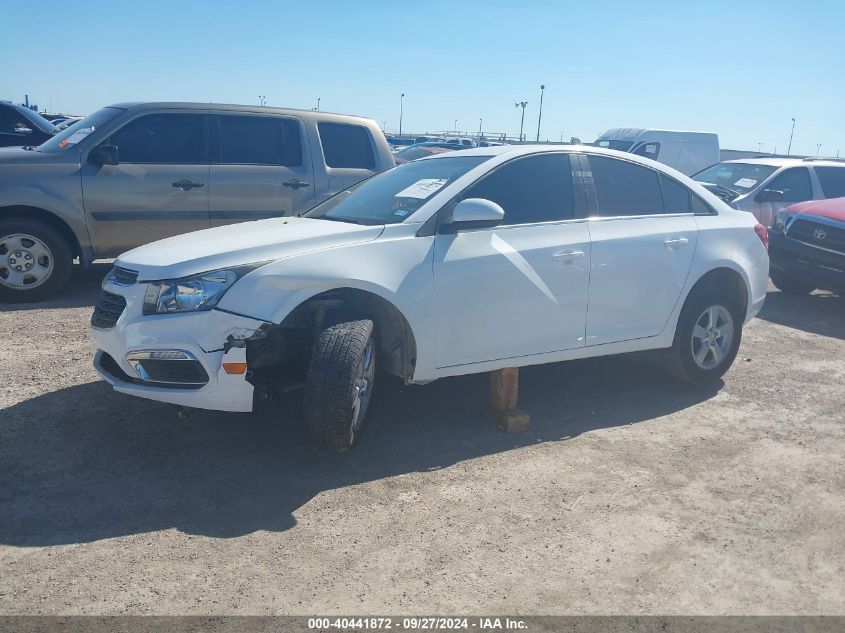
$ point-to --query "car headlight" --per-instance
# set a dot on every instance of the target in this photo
(780, 219)
(192, 294)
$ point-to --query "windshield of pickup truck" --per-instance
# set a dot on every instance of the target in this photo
(738, 178)
(393, 195)
(79, 131)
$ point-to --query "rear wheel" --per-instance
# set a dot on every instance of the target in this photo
(707, 338)
(35, 260)
(790, 285)
(339, 384)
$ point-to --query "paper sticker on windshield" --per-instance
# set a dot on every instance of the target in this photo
(76, 137)
(746, 182)
(422, 189)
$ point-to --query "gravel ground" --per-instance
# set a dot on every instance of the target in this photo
(629, 495)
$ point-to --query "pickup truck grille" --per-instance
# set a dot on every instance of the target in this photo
(108, 310)
(810, 232)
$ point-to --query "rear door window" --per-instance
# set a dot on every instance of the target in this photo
(533, 189)
(676, 197)
(623, 188)
(832, 180)
(260, 140)
(346, 146)
(175, 139)
(794, 183)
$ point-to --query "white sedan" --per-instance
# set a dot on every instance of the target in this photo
(460, 263)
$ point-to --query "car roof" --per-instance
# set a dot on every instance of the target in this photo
(525, 150)
(233, 107)
(787, 162)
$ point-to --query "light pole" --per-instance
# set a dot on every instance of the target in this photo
(262, 100)
(818, 149)
(540, 118)
(456, 126)
(480, 121)
(789, 149)
(401, 111)
(318, 104)
(760, 147)
(521, 104)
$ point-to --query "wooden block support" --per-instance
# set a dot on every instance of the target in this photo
(501, 409)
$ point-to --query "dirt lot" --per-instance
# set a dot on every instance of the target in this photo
(630, 494)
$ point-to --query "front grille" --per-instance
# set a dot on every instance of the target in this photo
(110, 366)
(122, 276)
(108, 310)
(805, 230)
(186, 372)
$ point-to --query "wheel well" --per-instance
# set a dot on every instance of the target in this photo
(725, 280)
(36, 213)
(288, 344)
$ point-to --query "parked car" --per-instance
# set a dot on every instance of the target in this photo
(138, 172)
(20, 126)
(764, 186)
(688, 152)
(420, 150)
(807, 247)
(455, 264)
(68, 122)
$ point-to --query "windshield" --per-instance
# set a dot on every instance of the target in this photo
(737, 177)
(393, 195)
(77, 132)
(622, 146)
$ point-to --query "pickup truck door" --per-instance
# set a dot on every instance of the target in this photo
(158, 189)
(643, 236)
(261, 168)
(519, 288)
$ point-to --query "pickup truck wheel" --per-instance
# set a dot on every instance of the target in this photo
(339, 384)
(35, 260)
(707, 338)
(789, 285)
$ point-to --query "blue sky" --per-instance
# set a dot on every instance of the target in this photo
(741, 68)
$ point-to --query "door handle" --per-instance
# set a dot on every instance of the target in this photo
(296, 184)
(186, 184)
(567, 258)
(676, 243)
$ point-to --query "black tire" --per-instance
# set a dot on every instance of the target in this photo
(330, 386)
(788, 284)
(679, 358)
(60, 257)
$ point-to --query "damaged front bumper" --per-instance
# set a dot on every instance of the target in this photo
(193, 359)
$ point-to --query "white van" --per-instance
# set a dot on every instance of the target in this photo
(688, 152)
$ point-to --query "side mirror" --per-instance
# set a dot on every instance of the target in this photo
(104, 155)
(474, 213)
(770, 195)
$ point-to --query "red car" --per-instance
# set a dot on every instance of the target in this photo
(807, 247)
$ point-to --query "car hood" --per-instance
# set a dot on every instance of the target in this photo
(21, 156)
(238, 244)
(833, 208)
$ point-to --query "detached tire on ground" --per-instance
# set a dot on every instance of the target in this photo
(35, 260)
(789, 285)
(339, 384)
(707, 337)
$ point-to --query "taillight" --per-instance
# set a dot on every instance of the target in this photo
(763, 233)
